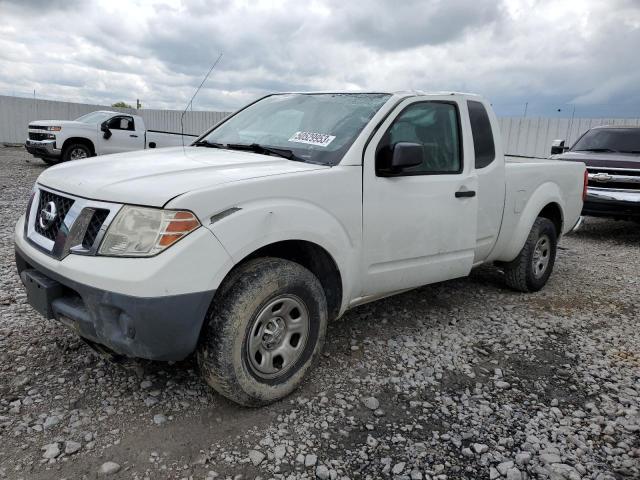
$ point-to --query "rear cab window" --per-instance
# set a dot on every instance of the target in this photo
(483, 144)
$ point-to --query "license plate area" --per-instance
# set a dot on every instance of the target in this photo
(41, 291)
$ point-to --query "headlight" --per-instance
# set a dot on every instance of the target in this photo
(54, 129)
(144, 232)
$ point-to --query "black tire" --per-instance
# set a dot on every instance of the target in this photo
(523, 273)
(75, 152)
(51, 161)
(235, 325)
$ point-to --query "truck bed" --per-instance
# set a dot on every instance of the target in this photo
(168, 139)
(531, 183)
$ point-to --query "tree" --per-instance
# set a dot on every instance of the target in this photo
(121, 105)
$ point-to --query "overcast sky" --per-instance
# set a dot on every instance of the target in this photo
(551, 54)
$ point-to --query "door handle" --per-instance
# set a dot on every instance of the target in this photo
(134, 136)
(465, 193)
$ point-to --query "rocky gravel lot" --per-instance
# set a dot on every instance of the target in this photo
(463, 379)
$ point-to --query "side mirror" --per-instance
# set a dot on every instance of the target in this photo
(392, 159)
(104, 128)
(558, 147)
(406, 155)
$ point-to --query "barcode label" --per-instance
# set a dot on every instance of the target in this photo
(311, 138)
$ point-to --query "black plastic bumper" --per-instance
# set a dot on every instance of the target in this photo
(155, 328)
(40, 150)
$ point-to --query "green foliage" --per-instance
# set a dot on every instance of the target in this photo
(121, 105)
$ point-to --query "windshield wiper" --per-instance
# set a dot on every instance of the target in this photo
(206, 143)
(263, 150)
(611, 150)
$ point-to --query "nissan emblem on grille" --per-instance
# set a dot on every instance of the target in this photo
(48, 215)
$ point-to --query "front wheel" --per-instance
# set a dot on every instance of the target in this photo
(531, 269)
(265, 330)
(76, 151)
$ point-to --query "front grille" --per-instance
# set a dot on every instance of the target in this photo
(62, 206)
(617, 185)
(619, 179)
(38, 127)
(97, 219)
(39, 136)
(613, 171)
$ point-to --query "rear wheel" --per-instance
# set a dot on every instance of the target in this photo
(531, 269)
(265, 330)
(76, 151)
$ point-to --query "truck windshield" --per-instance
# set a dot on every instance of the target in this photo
(94, 117)
(622, 140)
(314, 128)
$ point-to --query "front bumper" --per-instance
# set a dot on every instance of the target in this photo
(157, 328)
(43, 148)
(612, 203)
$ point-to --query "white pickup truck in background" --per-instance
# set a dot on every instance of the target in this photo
(96, 133)
(242, 246)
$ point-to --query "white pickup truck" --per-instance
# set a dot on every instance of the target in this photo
(293, 210)
(96, 133)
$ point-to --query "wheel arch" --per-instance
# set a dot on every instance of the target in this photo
(81, 140)
(553, 212)
(546, 201)
(310, 255)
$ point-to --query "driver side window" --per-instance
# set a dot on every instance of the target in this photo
(121, 123)
(434, 126)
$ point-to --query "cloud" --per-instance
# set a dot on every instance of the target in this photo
(409, 24)
(544, 53)
(42, 5)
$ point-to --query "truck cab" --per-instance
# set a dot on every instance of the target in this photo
(121, 133)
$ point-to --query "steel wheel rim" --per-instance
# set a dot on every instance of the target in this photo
(541, 256)
(278, 336)
(77, 154)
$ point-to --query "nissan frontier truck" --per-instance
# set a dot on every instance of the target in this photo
(300, 206)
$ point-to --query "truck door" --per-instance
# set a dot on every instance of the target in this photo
(419, 223)
(489, 166)
(124, 136)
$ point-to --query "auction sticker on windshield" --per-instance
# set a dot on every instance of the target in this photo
(319, 139)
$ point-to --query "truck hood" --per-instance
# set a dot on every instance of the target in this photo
(63, 123)
(153, 177)
(602, 159)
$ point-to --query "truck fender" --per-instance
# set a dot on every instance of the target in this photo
(547, 193)
(247, 227)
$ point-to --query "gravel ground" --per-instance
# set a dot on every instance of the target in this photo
(463, 379)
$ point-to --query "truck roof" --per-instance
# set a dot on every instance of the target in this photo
(110, 111)
(397, 93)
(616, 126)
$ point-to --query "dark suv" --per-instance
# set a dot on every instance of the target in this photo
(612, 156)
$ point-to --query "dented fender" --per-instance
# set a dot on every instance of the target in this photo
(322, 207)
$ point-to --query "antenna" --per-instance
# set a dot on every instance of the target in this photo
(190, 103)
(570, 129)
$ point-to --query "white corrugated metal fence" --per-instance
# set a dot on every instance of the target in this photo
(17, 112)
(533, 136)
